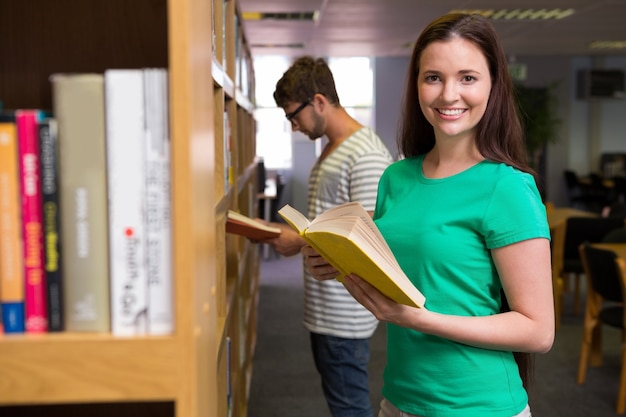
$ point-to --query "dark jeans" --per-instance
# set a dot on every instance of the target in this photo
(342, 364)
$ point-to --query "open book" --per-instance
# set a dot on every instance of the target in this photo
(242, 225)
(349, 240)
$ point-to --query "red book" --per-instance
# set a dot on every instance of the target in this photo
(242, 225)
(32, 225)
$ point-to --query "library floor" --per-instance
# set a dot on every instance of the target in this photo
(285, 382)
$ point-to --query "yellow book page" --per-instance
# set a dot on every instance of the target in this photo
(294, 218)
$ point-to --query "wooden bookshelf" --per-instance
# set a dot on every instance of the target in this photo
(215, 275)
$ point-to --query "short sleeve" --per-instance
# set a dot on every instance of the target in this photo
(515, 212)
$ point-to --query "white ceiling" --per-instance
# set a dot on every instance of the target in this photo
(388, 27)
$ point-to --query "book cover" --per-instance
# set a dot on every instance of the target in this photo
(11, 258)
(349, 240)
(48, 148)
(158, 203)
(124, 115)
(242, 225)
(229, 377)
(35, 304)
(78, 105)
(229, 174)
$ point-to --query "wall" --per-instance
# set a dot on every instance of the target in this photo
(389, 84)
(305, 152)
(613, 115)
(542, 72)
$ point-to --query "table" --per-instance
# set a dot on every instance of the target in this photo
(606, 183)
(266, 198)
(558, 215)
(618, 248)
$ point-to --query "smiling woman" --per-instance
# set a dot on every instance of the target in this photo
(485, 266)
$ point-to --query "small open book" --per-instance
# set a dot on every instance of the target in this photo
(349, 240)
(242, 225)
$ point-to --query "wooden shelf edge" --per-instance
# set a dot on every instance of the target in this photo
(243, 101)
(221, 78)
(248, 172)
(92, 368)
(225, 202)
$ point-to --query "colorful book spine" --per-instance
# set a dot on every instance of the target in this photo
(124, 110)
(158, 224)
(32, 221)
(78, 106)
(11, 259)
(48, 148)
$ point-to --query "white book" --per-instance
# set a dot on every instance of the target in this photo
(158, 223)
(124, 114)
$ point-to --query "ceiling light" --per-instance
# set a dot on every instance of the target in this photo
(608, 45)
(291, 16)
(278, 45)
(520, 14)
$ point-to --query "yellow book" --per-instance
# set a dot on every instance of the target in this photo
(11, 253)
(349, 240)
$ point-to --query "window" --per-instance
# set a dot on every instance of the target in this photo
(273, 132)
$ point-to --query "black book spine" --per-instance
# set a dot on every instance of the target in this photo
(48, 146)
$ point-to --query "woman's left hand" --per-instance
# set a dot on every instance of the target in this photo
(384, 308)
(380, 305)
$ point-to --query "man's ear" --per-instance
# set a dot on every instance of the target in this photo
(319, 102)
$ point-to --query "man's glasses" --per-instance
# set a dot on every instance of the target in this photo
(294, 113)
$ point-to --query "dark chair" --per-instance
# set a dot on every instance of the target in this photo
(606, 275)
(261, 176)
(583, 195)
(615, 236)
(276, 203)
(619, 190)
(599, 191)
(566, 260)
(615, 210)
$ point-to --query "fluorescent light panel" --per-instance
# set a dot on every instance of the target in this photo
(608, 45)
(278, 45)
(291, 16)
(519, 14)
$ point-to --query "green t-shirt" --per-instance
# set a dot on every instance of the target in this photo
(441, 231)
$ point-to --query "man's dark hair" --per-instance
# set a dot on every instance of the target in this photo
(306, 77)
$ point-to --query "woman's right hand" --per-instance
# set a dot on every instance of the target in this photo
(317, 265)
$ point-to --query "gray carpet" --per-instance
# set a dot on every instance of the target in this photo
(285, 382)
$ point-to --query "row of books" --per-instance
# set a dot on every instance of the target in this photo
(85, 228)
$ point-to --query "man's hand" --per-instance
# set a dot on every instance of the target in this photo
(288, 243)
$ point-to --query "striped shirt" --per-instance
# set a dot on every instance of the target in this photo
(350, 173)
